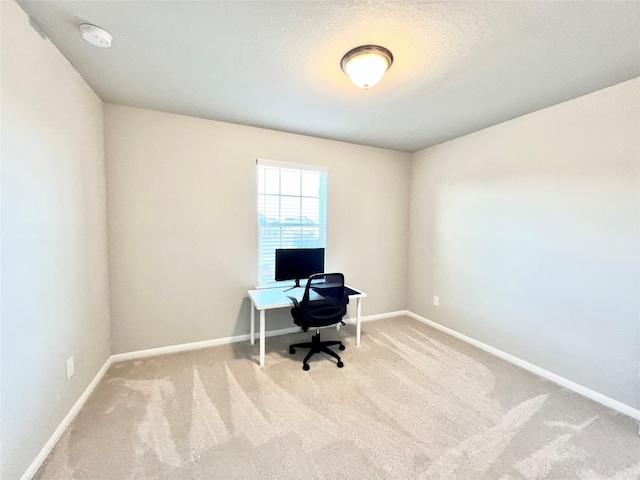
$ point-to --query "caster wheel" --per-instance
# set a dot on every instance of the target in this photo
(292, 350)
(341, 347)
(340, 364)
(305, 367)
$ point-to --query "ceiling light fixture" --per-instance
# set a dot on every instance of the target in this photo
(95, 35)
(366, 65)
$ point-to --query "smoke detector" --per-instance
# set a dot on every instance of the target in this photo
(95, 35)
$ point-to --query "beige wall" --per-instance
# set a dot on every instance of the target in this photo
(183, 237)
(528, 232)
(54, 249)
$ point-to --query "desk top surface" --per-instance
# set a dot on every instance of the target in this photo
(264, 298)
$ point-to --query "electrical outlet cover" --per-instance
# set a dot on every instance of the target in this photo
(70, 368)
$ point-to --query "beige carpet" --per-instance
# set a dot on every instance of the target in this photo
(410, 403)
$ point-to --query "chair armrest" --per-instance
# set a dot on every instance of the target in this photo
(295, 301)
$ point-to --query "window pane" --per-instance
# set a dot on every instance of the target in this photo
(309, 237)
(290, 182)
(310, 184)
(310, 210)
(269, 208)
(271, 180)
(290, 209)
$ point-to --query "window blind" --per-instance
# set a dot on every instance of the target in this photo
(292, 210)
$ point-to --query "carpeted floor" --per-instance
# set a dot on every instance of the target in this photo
(410, 403)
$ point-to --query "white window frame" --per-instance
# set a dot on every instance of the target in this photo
(270, 220)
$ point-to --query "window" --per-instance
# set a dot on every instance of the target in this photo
(292, 211)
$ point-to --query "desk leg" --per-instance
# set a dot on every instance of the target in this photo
(262, 338)
(252, 338)
(358, 319)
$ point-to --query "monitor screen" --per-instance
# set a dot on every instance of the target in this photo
(298, 263)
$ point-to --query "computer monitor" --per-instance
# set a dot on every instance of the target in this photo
(298, 263)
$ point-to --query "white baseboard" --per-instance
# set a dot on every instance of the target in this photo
(379, 316)
(183, 347)
(584, 391)
(46, 450)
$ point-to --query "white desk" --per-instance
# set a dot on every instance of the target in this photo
(269, 298)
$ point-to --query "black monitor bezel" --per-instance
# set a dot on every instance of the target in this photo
(302, 273)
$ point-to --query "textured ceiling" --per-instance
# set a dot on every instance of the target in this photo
(459, 66)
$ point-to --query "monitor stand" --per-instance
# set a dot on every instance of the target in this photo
(297, 285)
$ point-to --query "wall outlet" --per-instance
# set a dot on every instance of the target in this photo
(436, 301)
(70, 368)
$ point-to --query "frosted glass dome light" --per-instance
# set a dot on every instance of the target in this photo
(366, 65)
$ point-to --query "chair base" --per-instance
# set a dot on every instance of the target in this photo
(317, 346)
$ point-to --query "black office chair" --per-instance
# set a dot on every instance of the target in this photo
(324, 303)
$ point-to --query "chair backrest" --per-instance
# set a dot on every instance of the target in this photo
(324, 301)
